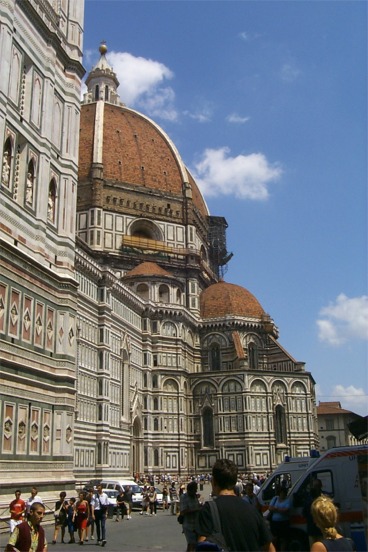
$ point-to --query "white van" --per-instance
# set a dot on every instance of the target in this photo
(118, 484)
(343, 473)
(285, 475)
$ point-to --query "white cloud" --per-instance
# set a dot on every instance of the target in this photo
(202, 114)
(289, 72)
(143, 84)
(235, 118)
(344, 320)
(247, 36)
(244, 176)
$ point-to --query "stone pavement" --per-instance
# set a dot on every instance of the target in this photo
(140, 534)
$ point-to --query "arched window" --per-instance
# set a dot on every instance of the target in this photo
(178, 296)
(15, 76)
(145, 423)
(155, 457)
(36, 101)
(143, 291)
(106, 93)
(253, 355)
(207, 426)
(51, 202)
(155, 403)
(155, 381)
(97, 93)
(155, 424)
(99, 453)
(169, 329)
(215, 357)
(144, 380)
(280, 425)
(163, 294)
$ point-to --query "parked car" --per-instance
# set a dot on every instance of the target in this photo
(117, 484)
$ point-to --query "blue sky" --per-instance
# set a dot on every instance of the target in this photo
(266, 103)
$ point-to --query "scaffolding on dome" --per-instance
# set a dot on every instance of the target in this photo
(219, 256)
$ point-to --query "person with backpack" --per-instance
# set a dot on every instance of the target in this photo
(228, 521)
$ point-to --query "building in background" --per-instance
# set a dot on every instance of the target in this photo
(40, 80)
(123, 350)
(333, 425)
(175, 366)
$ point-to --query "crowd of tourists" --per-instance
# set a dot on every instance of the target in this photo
(234, 521)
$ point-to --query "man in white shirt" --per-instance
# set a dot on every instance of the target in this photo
(99, 505)
(32, 499)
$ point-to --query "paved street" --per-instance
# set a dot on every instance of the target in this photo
(140, 534)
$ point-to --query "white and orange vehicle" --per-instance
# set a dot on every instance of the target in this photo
(343, 472)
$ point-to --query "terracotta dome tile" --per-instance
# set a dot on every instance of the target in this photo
(148, 269)
(224, 299)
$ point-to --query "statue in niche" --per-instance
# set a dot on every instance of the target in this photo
(50, 207)
(29, 188)
(69, 434)
(8, 427)
(278, 395)
(5, 170)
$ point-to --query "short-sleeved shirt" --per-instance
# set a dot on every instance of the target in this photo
(99, 500)
(18, 505)
(242, 526)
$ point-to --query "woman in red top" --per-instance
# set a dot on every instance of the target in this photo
(81, 509)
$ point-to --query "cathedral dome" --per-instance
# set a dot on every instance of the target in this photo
(223, 299)
(130, 148)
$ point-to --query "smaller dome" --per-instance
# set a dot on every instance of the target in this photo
(223, 299)
(148, 269)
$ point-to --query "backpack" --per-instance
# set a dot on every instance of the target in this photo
(215, 541)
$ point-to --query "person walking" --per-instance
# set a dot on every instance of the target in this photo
(17, 509)
(128, 498)
(152, 497)
(250, 497)
(100, 503)
(60, 515)
(120, 505)
(90, 522)
(280, 523)
(325, 515)
(174, 499)
(32, 500)
(241, 526)
(165, 497)
(70, 519)
(29, 536)
(189, 509)
(82, 509)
